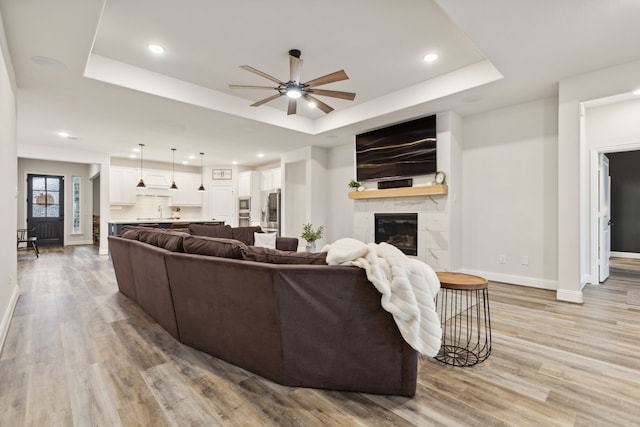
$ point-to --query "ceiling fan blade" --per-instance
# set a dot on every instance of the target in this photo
(260, 73)
(329, 78)
(291, 109)
(334, 93)
(321, 105)
(250, 87)
(264, 101)
(295, 65)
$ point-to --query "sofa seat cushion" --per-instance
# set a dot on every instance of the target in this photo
(275, 256)
(221, 231)
(213, 246)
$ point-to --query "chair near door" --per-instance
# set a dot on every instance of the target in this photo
(30, 241)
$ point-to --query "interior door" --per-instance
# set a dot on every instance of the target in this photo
(45, 208)
(604, 218)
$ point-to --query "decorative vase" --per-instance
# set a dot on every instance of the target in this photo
(311, 246)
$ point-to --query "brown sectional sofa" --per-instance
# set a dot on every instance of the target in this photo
(286, 316)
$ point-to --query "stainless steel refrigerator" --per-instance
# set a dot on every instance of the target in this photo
(271, 212)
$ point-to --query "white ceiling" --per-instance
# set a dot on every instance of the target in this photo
(95, 79)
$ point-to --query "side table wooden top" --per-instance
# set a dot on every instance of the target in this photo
(461, 281)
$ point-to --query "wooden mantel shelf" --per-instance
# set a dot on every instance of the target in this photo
(428, 190)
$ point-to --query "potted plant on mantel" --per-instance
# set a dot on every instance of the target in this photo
(355, 185)
(311, 235)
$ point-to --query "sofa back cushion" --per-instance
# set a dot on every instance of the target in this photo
(245, 234)
(275, 256)
(150, 235)
(213, 246)
(172, 240)
(222, 231)
(131, 232)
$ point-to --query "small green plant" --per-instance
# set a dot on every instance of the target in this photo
(354, 184)
(309, 234)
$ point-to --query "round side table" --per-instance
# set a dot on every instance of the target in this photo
(463, 305)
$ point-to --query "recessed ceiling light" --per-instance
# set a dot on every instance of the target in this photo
(430, 57)
(133, 156)
(636, 92)
(192, 157)
(136, 150)
(260, 155)
(63, 134)
(156, 48)
(235, 162)
(184, 162)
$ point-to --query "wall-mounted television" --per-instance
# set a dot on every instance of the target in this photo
(402, 150)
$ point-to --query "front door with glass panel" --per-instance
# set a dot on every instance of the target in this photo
(45, 208)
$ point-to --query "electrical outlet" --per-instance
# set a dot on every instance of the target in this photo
(525, 260)
(502, 259)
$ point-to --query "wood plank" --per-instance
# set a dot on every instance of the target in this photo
(79, 353)
(427, 190)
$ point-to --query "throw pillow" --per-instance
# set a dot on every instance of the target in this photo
(202, 245)
(275, 256)
(245, 234)
(264, 240)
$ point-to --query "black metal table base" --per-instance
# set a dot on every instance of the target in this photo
(466, 326)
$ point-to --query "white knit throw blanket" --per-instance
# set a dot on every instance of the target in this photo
(408, 287)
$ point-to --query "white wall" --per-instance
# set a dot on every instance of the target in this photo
(341, 170)
(67, 170)
(305, 188)
(8, 190)
(574, 245)
(509, 194)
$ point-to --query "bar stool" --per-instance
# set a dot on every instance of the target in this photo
(463, 305)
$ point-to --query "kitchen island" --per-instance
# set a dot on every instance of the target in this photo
(115, 226)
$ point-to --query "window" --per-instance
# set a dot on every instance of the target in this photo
(77, 224)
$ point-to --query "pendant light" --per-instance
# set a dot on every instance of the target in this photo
(173, 172)
(201, 175)
(141, 182)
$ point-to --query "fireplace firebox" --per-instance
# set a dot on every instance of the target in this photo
(399, 230)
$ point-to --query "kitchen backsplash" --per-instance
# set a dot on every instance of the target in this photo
(152, 207)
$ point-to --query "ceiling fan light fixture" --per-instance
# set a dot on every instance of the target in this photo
(293, 92)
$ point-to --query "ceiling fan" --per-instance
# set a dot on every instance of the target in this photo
(295, 89)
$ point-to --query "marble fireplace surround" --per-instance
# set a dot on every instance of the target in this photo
(433, 224)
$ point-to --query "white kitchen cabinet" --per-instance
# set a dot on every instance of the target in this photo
(122, 185)
(270, 179)
(244, 184)
(187, 193)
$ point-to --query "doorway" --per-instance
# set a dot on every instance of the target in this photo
(45, 208)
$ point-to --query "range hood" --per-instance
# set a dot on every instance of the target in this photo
(156, 181)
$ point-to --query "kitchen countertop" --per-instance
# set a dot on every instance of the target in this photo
(158, 220)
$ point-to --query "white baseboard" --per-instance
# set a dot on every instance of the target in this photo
(569, 296)
(531, 282)
(8, 314)
(632, 255)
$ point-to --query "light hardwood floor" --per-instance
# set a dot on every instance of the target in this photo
(78, 353)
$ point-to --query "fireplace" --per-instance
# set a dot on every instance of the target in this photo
(399, 230)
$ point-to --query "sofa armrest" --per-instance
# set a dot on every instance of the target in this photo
(287, 243)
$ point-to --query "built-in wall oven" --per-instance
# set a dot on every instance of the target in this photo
(244, 219)
(244, 211)
(244, 204)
